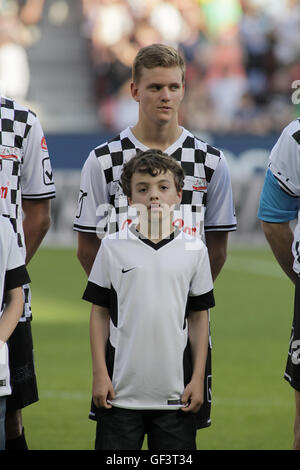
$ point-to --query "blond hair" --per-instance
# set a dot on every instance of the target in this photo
(156, 55)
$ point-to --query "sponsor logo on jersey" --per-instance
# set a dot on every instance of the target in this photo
(3, 192)
(44, 144)
(8, 157)
(127, 270)
(195, 183)
(47, 172)
(9, 153)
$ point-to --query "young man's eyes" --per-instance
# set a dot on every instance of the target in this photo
(174, 87)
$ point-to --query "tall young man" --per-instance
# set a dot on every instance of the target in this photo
(27, 185)
(206, 209)
(279, 204)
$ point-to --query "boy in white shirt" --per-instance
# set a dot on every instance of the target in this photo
(13, 275)
(151, 288)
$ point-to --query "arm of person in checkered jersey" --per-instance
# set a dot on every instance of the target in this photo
(219, 217)
(37, 189)
(93, 193)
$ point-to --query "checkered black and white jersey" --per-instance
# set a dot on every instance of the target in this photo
(207, 203)
(25, 169)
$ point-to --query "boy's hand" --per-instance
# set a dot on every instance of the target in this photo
(193, 396)
(102, 391)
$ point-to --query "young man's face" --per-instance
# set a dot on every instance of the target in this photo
(159, 93)
(156, 195)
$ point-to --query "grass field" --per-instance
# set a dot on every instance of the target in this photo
(253, 407)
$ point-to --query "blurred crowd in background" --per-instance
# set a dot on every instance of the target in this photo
(242, 56)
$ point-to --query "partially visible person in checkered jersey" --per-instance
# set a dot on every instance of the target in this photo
(278, 206)
(207, 207)
(26, 185)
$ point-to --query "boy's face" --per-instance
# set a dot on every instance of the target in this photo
(156, 194)
(159, 93)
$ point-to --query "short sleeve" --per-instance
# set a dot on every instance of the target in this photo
(285, 159)
(37, 180)
(276, 205)
(99, 284)
(220, 212)
(16, 272)
(201, 287)
(93, 196)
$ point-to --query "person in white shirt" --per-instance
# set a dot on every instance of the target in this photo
(151, 288)
(13, 275)
(206, 209)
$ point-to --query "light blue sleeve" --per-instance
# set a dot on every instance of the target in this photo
(275, 204)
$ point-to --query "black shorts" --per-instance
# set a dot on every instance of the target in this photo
(22, 371)
(292, 371)
(122, 429)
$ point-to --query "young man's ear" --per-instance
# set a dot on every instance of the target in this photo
(134, 91)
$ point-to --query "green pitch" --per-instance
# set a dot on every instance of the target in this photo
(253, 407)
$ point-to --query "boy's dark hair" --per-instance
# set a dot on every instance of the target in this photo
(153, 162)
(157, 55)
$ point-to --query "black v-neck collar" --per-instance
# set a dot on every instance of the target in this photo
(155, 246)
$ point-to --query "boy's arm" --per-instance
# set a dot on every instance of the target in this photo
(99, 333)
(198, 336)
(14, 303)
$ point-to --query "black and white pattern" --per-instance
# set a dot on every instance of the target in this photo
(149, 290)
(284, 164)
(13, 274)
(206, 200)
(25, 169)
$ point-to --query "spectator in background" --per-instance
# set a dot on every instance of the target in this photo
(233, 50)
(287, 28)
(255, 32)
(17, 20)
(14, 66)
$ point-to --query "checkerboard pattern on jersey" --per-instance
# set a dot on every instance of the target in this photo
(13, 116)
(197, 159)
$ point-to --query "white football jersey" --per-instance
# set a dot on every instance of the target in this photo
(25, 169)
(285, 166)
(12, 274)
(149, 289)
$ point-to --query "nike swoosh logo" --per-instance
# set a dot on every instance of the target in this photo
(127, 270)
